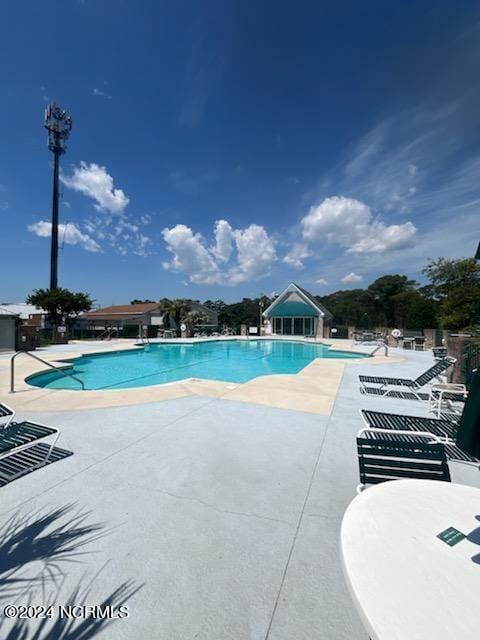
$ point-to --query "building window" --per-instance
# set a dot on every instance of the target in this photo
(293, 326)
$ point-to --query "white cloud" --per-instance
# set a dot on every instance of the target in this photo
(419, 161)
(120, 234)
(94, 181)
(366, 151)
(142, 245)
(223, 241)
(255, 254)
(43, 90)
(238, 255)
(352, 277)
(349, 223)
(337, 220)
(68, 233)
(113, 228)
(100, 92)
(382, 238)
(190, 255)
(321, 281)
(297, 254)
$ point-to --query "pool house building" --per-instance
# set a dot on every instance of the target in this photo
(295, 312)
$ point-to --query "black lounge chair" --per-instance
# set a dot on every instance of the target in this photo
(382, 457)
(6, 415)
(461, 435)
(16, 438)
(442, 428)
(413, 386)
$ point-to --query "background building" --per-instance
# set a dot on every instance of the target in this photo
(145, 314)
(295, 312)
(28, 313)
(8, 330)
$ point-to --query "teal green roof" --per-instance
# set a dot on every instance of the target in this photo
(305, 305)
(291, 308)
(326, 312)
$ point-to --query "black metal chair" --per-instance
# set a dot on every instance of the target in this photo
(384, 456)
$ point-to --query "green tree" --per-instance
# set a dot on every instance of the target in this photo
(349, 306)
(413, 311)
(177, 309)
(245, 312)
(142, 301)
(384, 291)
(61, 305)
(456, 286)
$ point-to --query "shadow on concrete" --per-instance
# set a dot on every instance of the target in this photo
(474, 536)
(48, 540)
(35, 553)
(64, 628)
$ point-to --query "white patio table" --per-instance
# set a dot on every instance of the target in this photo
(407, 582)
(439, 389)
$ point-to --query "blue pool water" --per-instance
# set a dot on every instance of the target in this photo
(230, 361)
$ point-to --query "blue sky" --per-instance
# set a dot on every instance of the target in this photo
(223, 149)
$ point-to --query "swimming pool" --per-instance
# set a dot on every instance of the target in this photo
(228, 361)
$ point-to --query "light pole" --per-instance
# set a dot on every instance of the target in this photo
(58, 124)
(260, 304)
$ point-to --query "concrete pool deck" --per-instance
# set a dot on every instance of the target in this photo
(210, 518)
(313, 389)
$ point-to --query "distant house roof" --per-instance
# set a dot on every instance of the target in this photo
(121, 312)
(302, 293)
(5, 312)
(21, 309)
(143, 307)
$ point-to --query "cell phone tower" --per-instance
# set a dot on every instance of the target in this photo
(58, 124)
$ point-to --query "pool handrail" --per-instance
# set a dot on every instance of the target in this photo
(49, 364)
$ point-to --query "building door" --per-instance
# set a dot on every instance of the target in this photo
(298, 326)
(287, 326)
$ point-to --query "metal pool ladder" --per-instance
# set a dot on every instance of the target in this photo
(381, 345)
(28, 353)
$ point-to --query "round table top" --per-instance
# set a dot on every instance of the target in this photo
(406, 582)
